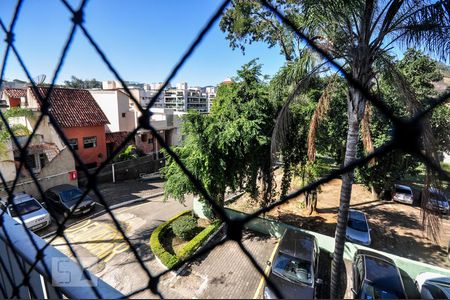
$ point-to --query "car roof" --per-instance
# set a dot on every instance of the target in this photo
(403, 187)
(19, 198)
(297, 244)
(62, 188)
(356, 214)
(383, 273)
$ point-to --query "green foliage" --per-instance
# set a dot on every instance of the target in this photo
(127, 153)
(168, 259)
(17, 129)
(185, 227)
(78, 83)
(229, 146)
(198, 240)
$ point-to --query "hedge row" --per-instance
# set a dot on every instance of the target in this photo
(168, 259)
(193, 244)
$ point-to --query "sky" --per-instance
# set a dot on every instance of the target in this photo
(142, 38)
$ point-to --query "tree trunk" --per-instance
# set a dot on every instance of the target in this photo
(355, 112)
(346, 190)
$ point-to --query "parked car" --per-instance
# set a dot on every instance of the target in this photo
(403, 194)
(358, 230)
(34, 215)
(295, 267)
(63, 198)
(437, 201)
(433, 286)
(376, 276)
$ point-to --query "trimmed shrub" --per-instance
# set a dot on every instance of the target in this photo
(193, 244)
(185, 227)
(166, 258)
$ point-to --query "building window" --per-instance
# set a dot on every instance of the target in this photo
(150, 141)
(73, 143)
(31, 161)
(123, 115)
(90, 142)
(144, 137)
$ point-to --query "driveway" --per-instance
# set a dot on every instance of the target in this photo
(115, 194)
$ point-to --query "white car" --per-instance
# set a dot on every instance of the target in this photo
(358, 230)
(433, 286)
(403, 194)
(33, 213)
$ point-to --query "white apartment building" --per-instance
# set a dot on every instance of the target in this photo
(179, 98)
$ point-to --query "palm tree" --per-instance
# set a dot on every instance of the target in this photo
(357, 33)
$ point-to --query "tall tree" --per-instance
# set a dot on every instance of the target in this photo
(78, 83)
(229, 148)
(357, 32)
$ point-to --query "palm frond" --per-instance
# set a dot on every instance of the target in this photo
(430, 219)
(319, 114)
(429, 25)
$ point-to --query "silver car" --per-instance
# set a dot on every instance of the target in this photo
(403, 194)
(33, 213)
(358, 230)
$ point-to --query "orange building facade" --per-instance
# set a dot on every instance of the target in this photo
(89, 143)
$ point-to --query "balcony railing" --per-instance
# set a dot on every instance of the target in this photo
(54, 276)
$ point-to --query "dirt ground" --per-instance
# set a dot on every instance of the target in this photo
(396, 228)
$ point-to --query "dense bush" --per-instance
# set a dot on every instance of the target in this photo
(185, 227)
(166, 258)
(198, 240)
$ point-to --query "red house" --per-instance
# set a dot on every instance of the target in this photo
(13, 97)
(81, 119)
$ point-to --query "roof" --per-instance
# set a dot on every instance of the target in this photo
(73, 107)
(297, 244)
(116, 137)
(18, 198)
(15, 93)
(403, 187)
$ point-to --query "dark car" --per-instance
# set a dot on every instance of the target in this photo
(376, 276)
(433, 285)
(63, 198)
(295, 267)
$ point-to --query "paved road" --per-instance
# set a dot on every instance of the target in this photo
(114, 194)
(106, 253)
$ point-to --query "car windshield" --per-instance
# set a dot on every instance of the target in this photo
(369, 291)
(437, 196)
(400, 190)
(357, 225)
(24, 208)
(294, 269)
(71, 197)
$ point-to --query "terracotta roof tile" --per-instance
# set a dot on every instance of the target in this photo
(116, 137)
(15, 93)
(73, 107)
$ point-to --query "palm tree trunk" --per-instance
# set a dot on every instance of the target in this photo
(355, 102)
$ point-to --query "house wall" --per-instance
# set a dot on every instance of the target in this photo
(108, 102)
(7, 166)
(115, 105)
(91, 155)
(54, 173)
